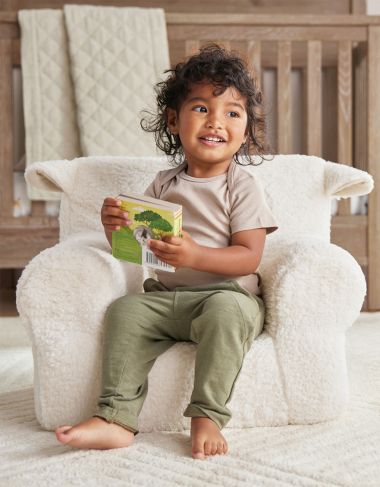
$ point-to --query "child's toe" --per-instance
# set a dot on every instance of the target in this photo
(62, 438)
(220, 449)
(63, 429)
(198, 450)
(208, 447)
(214, 448)
(198, 455)
(67, 434)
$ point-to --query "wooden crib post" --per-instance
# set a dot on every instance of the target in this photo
(6, 129)
(374, 166)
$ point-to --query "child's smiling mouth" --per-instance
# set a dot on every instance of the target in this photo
(211, 140)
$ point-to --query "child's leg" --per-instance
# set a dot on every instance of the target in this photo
(224, 332)
(199, 314)
(138, 330)
(229, 321)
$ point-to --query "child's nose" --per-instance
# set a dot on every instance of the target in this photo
(214, 122)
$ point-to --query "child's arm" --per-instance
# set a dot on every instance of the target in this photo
(242, 257)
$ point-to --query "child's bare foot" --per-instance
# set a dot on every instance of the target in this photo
(95, 433)
(206, 438)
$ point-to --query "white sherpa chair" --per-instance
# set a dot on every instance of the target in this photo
(295, 371)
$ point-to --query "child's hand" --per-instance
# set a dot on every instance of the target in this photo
(176, 251)
(112, 216)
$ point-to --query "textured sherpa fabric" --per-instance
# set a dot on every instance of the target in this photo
(295, 371)
(298, 188)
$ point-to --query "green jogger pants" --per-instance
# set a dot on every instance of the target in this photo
(223, 319)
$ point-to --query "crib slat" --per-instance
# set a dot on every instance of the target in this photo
(345, 102)
(252, 54)
(345, 113)
(314, 98)
(361, 107)
(373, 166)
(6, 132)
(253, 57)
(284, 131)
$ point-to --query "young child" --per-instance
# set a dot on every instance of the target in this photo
(207, 121)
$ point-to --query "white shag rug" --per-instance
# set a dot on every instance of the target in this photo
(341, 453)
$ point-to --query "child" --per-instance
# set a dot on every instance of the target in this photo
(206, 120)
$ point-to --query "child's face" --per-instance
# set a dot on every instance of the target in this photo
(211, 128)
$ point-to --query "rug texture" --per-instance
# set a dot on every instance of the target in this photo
(341, 453)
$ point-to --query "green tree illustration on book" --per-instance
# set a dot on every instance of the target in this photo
(158, 225)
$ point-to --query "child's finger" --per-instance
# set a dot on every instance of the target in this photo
(109, 220)
(165, 257)
(109, 201)
(111, 228)
(113, 211)
(161, 246)
(173, 240)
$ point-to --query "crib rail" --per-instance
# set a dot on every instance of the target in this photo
(343, 48)
(351, 45)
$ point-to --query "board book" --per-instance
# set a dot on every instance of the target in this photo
(151, 219)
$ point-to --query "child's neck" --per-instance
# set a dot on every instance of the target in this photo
(196, 171)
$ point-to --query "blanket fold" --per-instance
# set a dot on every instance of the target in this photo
(51, 130)
(88, 72)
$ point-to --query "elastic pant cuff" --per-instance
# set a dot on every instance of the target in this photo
(112, 416)
(193, 411)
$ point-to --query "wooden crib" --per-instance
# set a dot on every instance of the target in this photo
(338, 116)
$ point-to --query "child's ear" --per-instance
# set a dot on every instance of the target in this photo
(172, 120)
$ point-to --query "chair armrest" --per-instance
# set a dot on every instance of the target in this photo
(313, 291)
(310, 281)
(62, 298)
(76, 279)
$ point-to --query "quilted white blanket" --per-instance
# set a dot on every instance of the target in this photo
(87, 74)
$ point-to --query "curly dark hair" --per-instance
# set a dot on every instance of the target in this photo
(223, 69)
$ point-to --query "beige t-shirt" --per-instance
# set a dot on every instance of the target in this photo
(213, 209)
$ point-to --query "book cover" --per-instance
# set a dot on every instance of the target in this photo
(151, 219)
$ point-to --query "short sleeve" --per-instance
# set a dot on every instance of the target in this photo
(249, 209)
(150, 191)
(153, 190)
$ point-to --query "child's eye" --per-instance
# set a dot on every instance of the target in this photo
(233, 114)
(200, 108)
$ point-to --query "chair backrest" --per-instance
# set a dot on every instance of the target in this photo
(298, 188)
